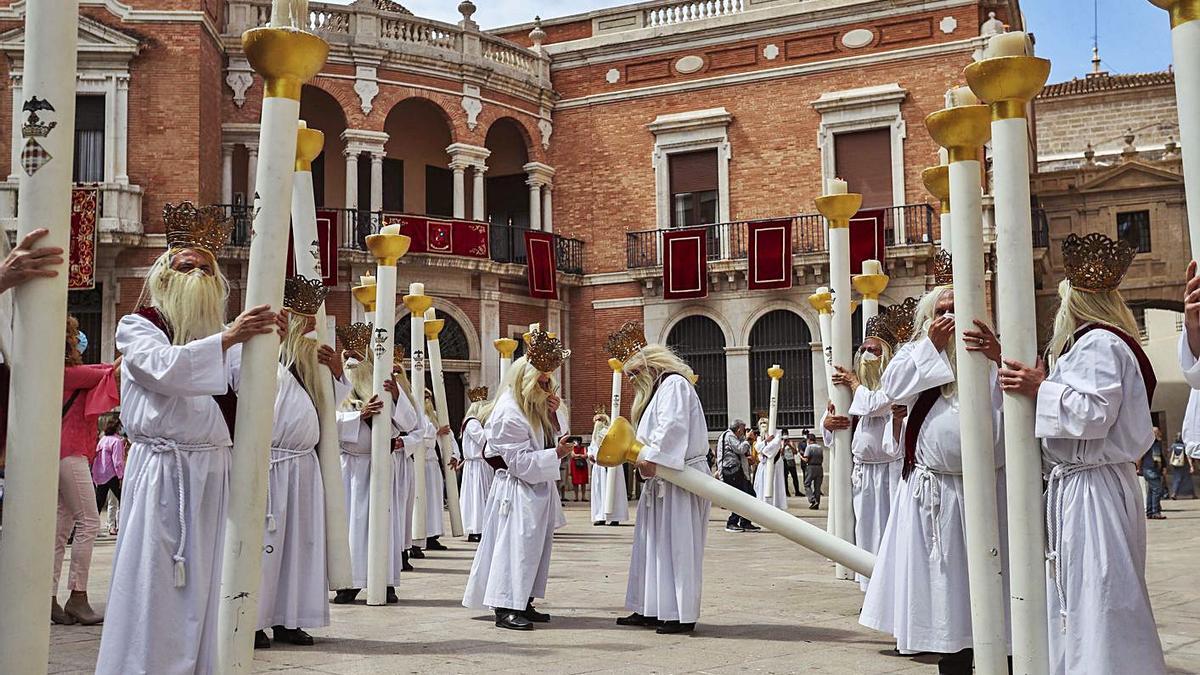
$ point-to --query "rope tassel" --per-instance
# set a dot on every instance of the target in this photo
(180, 572)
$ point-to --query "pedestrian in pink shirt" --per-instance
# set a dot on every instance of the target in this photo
(88, 392)
(108, 469)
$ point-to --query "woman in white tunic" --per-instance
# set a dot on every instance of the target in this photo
(770, 449)
(357, 413)
(1093, 416)
(666, 566)
(175, 385)
(599, 480)
(512, 562)
(920, 593)
(477, 474)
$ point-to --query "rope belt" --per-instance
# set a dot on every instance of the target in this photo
(164, 445)
(856, 474)
(929, 485)
(1054, 514)
(285, 455)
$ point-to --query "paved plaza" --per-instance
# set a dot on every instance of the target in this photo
(769, 607)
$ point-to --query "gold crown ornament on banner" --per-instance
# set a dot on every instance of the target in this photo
(545, 351)
(1095, 263)
(206, 228)
(626, 341)
(477, 394)
(303, 295)
(894, 323)
(356, 337)
(943, 268)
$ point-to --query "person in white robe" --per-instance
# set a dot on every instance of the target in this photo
(512, 562)
(176, 375)
(477, 474)
(1189, 352)
(666, 566)
(1093, 417)
(919, 593)
(770, 450)
(599, 480)
(435, 481)
(358, 411)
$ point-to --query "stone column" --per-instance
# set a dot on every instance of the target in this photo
(110, 129)
(251, 171)
(121, 136)
(460, 188)
(17, 143)
(351, 200)
(377, 181)
(463, 157)
(489, 327)
(535, 204)
(737, 382)
(477, 193)
(547, 208)
(227, 173)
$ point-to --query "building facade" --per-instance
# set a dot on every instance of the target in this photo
(607, 129)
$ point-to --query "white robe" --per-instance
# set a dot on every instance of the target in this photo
(354, 434)
(919, 592)
(293, 588)
(599, 481)
(877, 468)
(1094, 421)
(768, 452)
(666, 567)
(180, 451)
(512, 561)
(1191, 418)
(477, 477)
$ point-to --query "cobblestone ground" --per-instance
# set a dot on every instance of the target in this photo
(769, 607)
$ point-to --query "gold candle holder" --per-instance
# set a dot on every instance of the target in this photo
(962, 131)
(309, 144)
(870, 285)
(620, 445)
(616, 365)
(506, 346)
(417, 304)
(366, 296)
(1008, 83)
(822, 302)
(839, 209)
(433, 327)
(286, 58)
(1181, 11)
(388, 249)
(775, 373)
(937, 183)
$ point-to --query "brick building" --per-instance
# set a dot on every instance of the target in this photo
(606, 128)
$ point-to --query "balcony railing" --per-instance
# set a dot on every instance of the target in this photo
(119, 220)
(1041, 229)
(506, 244)
(903, 226)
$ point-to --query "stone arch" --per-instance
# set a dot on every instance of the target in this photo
(696, 310)
(416, 174)
(773, 341)
(806, 313)
(450, 312)
(392, 95)
(322, 110)
(525, 122)
(701, 341)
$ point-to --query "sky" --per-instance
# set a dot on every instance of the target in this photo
(1134, 35)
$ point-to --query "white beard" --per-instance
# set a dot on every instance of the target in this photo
(193, 304)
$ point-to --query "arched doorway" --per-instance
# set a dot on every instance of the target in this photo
(781, 337)
(454, 347)
(416, 174)
(320, 110)
(507, 196)
(699, 341)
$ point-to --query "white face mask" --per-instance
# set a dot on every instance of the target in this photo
(869, 356)
(352, 362)
(196, 273)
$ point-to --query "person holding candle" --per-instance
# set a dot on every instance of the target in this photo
(1093, 416)
(600, 424)
(525, 430)
(435, 482)
(770, 449)
(177, 402)
(477, 474)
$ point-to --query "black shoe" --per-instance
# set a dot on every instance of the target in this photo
(534, 615)
(392, 598)
(292, 636)
(750, 527)
(345, 596)
(261, 641)
(474, 538)
(673, 627)
(415, 552)
(433, 544)
(598, 522)
(958, 663)
(734, 528)
(636, 619)
(813, 507)
(512, 620)
(614, 524)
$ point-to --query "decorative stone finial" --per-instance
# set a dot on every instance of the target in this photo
(467, 9)
(1129, 150)
(537, 35)
(1170, 147)
(992, 26)
(1089, 155)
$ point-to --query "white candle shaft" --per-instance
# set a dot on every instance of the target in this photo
(337, 528)
(825, 322)
(443, 419)
(610, 476)
(772, 429)
(1023, 457)
(1185, 40)
(870, 310)
(975, 422)
(843, 341)
(417, 333)
(836, 186)
(31, 499)
(947, 233)
(379, 506)
(505, 362)
(246, 512)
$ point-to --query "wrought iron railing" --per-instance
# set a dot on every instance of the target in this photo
(1041, 229)
(903, 225)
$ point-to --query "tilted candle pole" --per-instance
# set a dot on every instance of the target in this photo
(871, 283)
(822, 301)
(507, 347)
(1008, 82)
(838, 207)
(937, 183)
(963, 130)
(306, 248)
(776, 374)
(610, 475)
(286, 58)
(1185, 43)
(417, 302)
(433, 326)
(43, 200)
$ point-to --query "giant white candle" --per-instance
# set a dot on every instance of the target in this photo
(836, 186)
(43, 200)
(433, 326)
(610, 475)
(417, 302)
(775, 373)
(1007, 44)
(379, 507)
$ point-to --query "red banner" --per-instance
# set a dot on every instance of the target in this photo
(85, 212)
(325, 247)
(540, 267)
(685, 264)
(467, 238)
(769, 250)
(867, 230)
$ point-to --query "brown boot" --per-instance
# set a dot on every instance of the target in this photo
(77, 608)
(58, 616)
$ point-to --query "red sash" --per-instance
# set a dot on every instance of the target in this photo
(227, 402)
(1148, 377)
(916, 419)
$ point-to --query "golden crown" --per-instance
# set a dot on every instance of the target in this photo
(545, 351)
(1096, 263)
(303, 295)
(943, 269)
(626, 341)
(894, 324)
(477, 394)
(206, 228)
(355, 337)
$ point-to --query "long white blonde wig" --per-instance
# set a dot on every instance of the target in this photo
(522, 379)
(300, 351)
(652, 362)
(923, 318)
(870, 373)
(1079, 308)
(192, 304)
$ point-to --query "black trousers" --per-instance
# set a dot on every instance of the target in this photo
(814, 474)
(102, 491)
(789, 468)
(738, 480)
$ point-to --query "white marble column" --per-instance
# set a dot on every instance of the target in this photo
(17, 143)
(737, 382)
(535, 204)
(547, 208)
(460, 188)
(110, 129)
(351, 201)
(251, 171)
(121, 135)
(226, 173)
(377, 181)
(489, 326)
(477, 193)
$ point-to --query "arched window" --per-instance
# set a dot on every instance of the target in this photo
(700, 342)
(452, 339)
(781, 337)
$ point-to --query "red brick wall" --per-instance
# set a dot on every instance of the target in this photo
(591, 379)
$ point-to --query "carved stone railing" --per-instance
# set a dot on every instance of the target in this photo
(658, 13)
(691, 10)
(120, 220)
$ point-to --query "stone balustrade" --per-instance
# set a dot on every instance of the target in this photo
(120, 219)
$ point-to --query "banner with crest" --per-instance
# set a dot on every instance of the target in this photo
(685, 264)
(444, 236)
(540, 265)
(325, 248)
(85, 215)
(769, 253)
